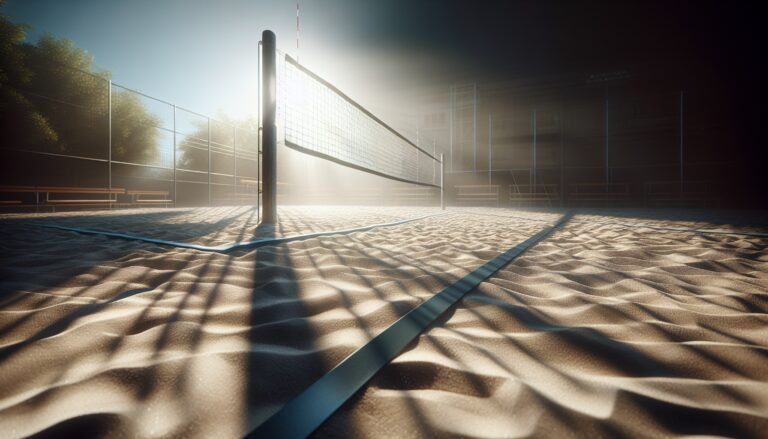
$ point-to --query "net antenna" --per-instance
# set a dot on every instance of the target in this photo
(314, 117)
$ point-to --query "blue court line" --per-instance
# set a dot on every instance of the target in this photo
(238, 245)
(636, 225)
(307, 411)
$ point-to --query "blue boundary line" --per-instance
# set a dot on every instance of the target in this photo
(307, 411)
(633, 226)
(238, 245)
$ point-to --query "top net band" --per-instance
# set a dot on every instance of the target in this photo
(320, 120)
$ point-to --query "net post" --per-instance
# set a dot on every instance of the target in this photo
(442, 181)
(269, 131)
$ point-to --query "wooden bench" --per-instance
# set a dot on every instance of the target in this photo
(477, 195)
(60, 190)
(155, 197)
(525, 194)
(600, 194)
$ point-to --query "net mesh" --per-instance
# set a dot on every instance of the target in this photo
(316, 117)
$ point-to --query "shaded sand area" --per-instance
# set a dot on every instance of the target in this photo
(213, 226)
(602, 329)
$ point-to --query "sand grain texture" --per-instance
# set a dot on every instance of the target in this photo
(602, 330)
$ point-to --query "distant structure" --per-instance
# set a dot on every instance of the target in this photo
(627, 130)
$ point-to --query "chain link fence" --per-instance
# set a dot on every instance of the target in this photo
(92, 140)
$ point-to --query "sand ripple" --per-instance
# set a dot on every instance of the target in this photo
(602, 330)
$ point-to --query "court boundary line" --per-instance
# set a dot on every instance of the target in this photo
(307, 411)
(226, 248)
(635, 226)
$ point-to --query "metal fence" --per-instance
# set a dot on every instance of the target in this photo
(100, 135)
(649, 185)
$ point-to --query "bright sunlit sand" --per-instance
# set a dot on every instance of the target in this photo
(607, 327)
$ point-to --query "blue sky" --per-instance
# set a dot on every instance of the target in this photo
(202, 54)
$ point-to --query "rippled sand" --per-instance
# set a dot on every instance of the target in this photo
(607, 328)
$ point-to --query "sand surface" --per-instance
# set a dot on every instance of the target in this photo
(607, 328)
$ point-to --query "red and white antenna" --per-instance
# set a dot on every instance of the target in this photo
(297, 31)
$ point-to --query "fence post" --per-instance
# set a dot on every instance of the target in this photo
(490, 147)
(175, 195)
(450, 126)
(209, 162)
(533, 174)
(442, 181)
(417, 154)
(109, 140)
(269, 131)
(562, 153)
(434, 165)
(474, 129)
(259, 51)
(682, 176)
(607, 157)
(234, 162)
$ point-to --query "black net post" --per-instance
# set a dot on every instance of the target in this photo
(269, 130)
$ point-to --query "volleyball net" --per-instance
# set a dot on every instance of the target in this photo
(314, 117)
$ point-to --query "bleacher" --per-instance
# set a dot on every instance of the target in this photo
(59, 196)
(77, 197)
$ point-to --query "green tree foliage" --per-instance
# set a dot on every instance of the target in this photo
(21, 123)
(193, 147)
(54, 100)
(134, 133)
(72, 100)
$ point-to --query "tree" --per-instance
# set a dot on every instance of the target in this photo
(20, 122)
(53, 99)
(72, 98)
(134, 130)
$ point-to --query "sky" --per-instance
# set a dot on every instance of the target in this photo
(202, 55)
